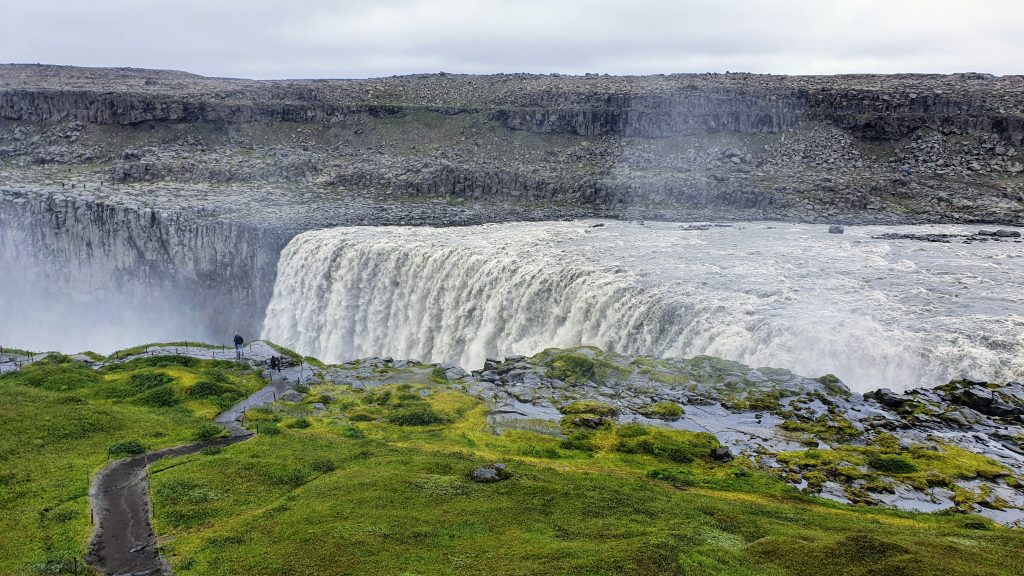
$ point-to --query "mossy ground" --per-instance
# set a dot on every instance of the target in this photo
(368, 496)
(59, 419)
(922, 466)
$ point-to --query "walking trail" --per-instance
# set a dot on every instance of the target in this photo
(123, 542)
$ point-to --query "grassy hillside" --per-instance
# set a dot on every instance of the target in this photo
(378, 483)
(60, 422)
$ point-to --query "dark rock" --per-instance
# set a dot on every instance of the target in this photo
(490, 473)
(888, 398)
(491, 364)
(836, 229)
(721, 454)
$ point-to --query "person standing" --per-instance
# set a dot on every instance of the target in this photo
(238, 346)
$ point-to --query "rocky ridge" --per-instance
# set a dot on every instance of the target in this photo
(855, 148)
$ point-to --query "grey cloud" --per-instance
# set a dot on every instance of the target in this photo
(359, 38)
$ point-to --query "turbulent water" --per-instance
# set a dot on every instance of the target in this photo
(877, 313)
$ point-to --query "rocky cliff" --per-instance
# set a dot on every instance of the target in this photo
(72, 267)
(903, 148)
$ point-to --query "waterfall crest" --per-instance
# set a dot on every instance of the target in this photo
(794, 298)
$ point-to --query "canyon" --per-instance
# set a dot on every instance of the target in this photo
(154, 205)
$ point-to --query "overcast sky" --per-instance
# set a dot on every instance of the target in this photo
(362, 38)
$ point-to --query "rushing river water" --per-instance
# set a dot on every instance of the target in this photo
(892, 313)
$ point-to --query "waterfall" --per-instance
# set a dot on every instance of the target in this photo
(873, 313)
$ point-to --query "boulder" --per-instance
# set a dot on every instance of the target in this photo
(721, 454)
(524, 377)
(888, 398)
(490, 473)
(836, 229)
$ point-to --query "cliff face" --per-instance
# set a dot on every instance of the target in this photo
(75, 267)
(904, 148)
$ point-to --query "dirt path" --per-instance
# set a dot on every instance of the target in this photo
(123, 542)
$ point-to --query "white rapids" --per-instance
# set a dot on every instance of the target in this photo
(877, 313)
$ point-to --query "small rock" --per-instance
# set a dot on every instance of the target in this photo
(836, 229)
(721, 454)
(490, 473)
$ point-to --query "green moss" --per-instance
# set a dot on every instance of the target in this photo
(314, 362)
(136, 350)
(589, 407)
(126, 448)
(208, 432)
(892, 464)
(678, 476)
(292, 356)
(579, 365)
(633, 430)
(922, 467)
(828, 427)
(676, 446)
(161, 397)
(439, 375)
(416, 415)
(578, 440)
(757, 400)
(664, 410)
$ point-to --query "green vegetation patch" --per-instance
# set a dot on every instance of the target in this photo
(394, 499)
(664, 410)
(921, 466)
(592, 407)
(673, 445)
(578, 365)
(828, 427)
(60, 423)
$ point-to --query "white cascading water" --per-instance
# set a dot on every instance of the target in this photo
(878, 313)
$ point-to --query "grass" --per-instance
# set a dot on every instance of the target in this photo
(378, 483)
(136, 350)
(382, 497)
(60, 422)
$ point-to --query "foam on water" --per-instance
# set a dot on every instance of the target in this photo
(877, 313)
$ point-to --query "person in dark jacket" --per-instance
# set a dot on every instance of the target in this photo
(238, 346)
(275, 363)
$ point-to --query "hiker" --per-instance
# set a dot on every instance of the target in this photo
(275, 363)
(238, 346)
